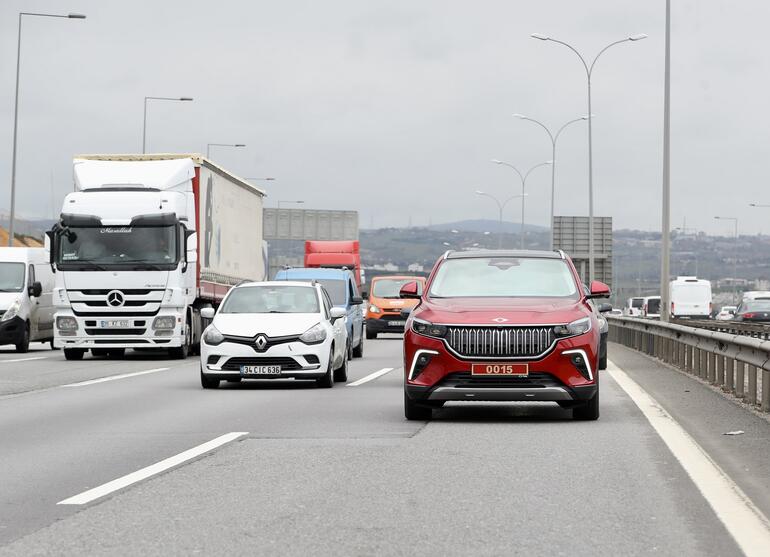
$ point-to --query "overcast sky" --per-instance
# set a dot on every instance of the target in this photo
(394, 108)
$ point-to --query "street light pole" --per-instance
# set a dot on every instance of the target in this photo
(500, 206)
(589, 73)
(554, 138)
(210, 145)
(735, 257)
(16, 115)
(144, 122)
(665, 255)
(523, 178)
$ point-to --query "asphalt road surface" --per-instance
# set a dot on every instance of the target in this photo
(288, 469)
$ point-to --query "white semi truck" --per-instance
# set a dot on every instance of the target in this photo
(142, 244)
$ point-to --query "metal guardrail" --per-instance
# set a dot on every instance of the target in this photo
(737, 363)
(755, 330)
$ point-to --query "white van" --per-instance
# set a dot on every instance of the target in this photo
(633, 307)
(26, 306)
(690, 297)
(651, 307)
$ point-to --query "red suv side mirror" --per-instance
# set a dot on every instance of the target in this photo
(409, 290)
(599, 290)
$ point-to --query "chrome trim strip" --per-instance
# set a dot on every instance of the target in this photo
(501, 393)
(585, 357)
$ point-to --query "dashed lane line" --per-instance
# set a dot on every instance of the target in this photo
(371, 377)
(152, 470)
(115, 377)
(23, 360)
(746, 523)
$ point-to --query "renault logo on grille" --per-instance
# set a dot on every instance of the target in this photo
(115, 299)
(261, 342)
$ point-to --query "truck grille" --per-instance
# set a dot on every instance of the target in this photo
(500, 342)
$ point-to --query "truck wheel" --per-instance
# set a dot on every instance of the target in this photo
(358, 351)
(73, 353)
(99, 352)
(23, 346)
(178, 352)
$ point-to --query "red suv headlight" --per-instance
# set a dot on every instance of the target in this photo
(577, 327)
(428, 329)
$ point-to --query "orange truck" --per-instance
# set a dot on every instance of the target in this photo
(383, 310)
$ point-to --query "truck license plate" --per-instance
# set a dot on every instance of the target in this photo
(396, 323)
(260, 370)
(510, 370)
(114, 324)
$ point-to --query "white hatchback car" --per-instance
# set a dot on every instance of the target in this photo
(274, 330)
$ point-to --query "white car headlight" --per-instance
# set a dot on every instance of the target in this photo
(577, 327)
(12, 311)
(212, 336)
(314, 335)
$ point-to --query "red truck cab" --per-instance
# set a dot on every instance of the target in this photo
(335, 255)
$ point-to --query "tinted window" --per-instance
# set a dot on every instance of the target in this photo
(504, 277)
(637, 302)
(653, 305)
(337, 289)
(271, 299)
(756, 305)
(389, 288)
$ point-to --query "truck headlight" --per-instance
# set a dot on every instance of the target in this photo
(577, 327)
(66, 323)
(314, 335)
(12, 311)
(212, 336)
(164, 322)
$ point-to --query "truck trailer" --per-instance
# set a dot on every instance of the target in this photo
(142, 244)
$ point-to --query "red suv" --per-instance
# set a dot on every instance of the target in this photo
(503, 326)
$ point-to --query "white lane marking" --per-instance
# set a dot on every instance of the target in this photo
(23, 360)
(152, 470)
(745, 522)
(371, 377)
(115, 377)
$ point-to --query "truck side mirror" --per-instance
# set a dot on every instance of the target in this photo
(50, 244)
(190, 248)
(35, 289)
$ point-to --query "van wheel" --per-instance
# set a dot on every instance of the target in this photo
(99, 352)
(23, 346)
(73, 353)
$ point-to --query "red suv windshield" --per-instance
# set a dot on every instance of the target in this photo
(504, 277)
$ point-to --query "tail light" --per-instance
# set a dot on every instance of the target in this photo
(711, 308)
(672, 308)
(749, 315)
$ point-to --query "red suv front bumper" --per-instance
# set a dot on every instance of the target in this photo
(565, 374)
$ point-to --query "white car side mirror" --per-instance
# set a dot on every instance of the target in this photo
(207, 313)
(337, 313)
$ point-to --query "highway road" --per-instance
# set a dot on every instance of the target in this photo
(289, 469)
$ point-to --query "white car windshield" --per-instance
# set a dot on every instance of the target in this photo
(504, 277)
(271, 299)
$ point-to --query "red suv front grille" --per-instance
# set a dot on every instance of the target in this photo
(500, 342)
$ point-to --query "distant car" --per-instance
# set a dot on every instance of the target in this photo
(342, 288)
(755, 311)
(274, 330)
(727, 313)
(383, 312)
(633, 307)
(615, 311)
(651, 307)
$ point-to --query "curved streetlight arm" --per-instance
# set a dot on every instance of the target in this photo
(509, 165)
(517, 196)
(573, 49)
(547, 163)
(539, 123)
(492, 197)
(561, 129)
(602, 51)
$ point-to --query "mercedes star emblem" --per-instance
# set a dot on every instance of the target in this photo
(115, 299)
(261, 342)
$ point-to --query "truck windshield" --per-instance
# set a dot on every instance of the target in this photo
(504, 277)
(271, 299)
(120, 246)
(11, 277)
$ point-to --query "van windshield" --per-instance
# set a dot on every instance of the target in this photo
(11, 277)
(637, 302)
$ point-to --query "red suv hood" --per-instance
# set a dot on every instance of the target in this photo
(492, 311)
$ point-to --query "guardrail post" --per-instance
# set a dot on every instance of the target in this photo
(720, 379)
(712, 368)
(765, 390)
(740, 379)
(730, 375)
(752, 394)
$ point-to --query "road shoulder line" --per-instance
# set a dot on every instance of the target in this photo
(152, 470)
(746, 523)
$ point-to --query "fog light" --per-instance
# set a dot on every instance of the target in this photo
(164, 333)
(164, 322)
(421, 360)
(579, 359)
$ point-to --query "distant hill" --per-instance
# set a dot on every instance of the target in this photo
(487, 225)
(20, 240)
